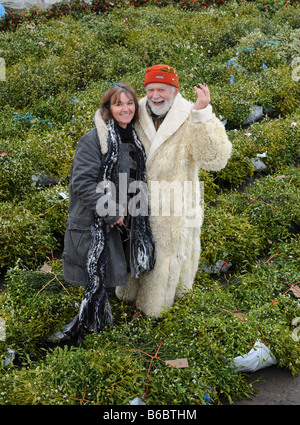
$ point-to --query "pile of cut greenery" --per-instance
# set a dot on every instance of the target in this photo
(56, 73)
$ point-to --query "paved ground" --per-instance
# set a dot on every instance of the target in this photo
(276, 386)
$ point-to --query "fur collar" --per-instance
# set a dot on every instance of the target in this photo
(102, 131)
(177, 115)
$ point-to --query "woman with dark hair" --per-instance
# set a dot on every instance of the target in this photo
(106, 242)
(112, 97)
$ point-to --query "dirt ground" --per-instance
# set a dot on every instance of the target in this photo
(275, 386)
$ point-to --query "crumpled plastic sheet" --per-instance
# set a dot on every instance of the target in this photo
(137, 402)
(259, 357)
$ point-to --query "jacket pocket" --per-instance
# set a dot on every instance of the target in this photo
(76, 246)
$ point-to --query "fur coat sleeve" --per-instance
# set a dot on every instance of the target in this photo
(208, 141)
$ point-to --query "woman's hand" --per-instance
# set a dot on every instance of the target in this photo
(119, 222)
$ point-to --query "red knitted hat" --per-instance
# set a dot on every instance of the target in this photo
(161, 74)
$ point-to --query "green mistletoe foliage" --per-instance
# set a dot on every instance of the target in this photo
(58, 65)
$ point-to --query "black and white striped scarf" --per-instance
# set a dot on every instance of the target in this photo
(95, 311)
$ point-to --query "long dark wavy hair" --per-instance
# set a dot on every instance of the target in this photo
(112, 96)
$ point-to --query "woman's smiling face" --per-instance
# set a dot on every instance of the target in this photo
(123, 110)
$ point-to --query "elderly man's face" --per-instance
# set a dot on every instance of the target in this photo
(160, 97)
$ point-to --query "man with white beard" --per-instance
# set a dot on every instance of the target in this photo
(160, 97)
(179, 138)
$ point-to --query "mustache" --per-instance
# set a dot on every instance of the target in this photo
(157, 100)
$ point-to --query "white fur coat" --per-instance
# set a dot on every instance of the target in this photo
(186, 141)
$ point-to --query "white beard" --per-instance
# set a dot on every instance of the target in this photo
(161, 110)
